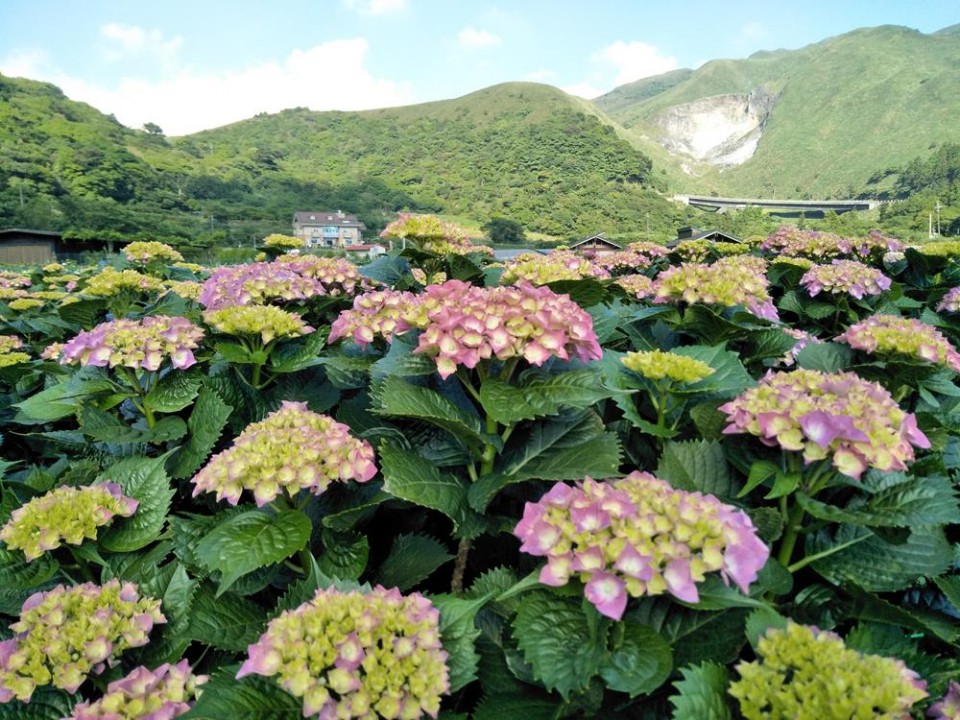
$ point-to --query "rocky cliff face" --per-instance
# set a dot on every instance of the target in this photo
(718, 130)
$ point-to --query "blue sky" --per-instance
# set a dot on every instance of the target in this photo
(190, 65)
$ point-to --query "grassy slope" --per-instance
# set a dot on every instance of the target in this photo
(849, 105)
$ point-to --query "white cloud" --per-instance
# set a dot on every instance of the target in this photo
(474, 39)
(583, 89)
(129, 41)
(753, 31)
(376, 7)
(331, 76)
(635, 60)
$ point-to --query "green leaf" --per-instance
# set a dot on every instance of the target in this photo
(412, 559)
(819, 311)
(501, 707)
(251, 698)
(344, 554)
(697, 465)
(910, 502)
(760, 472)
(458, 633)
(146, 481)
(401, 361)
(505, 403)
(558, 642)
(876, 565)
(865, 606)
(209, 417)
(398, 398)
(235, 353)
(639, 662)
(709, 420)
(770, 344)
(547, 394)
(409, 476)
(85, 313)
(45, 704)
(227, 622)
(827, 357)
(729, 377)
(295, 355)
(695, 635)
(585, 292)
(18, 574)
(950, 586)
(174, 392)
(61, 400)
(250, 541)
(702, 693)
(568, 447)
(387, 269)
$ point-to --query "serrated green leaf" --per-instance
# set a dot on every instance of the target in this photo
(458, 632)
(694, 634)
(207, 420)
(557, 641)
(697, 466)
(146, 481)
(409, 476)
(18, 574)
(233, 352)
(761, 620)
(876, 565)
(709, 421)
(398, 398)
(826, 356)
(401, 361)
(865, 606)
(251, 698)
(950, 586)
(61, 400)
(85, 313)
(295, 355)
(504, 402)
(45, 704)
(344, 554)
(387, 269)
(567, 447)
(250, 541)
(227, 622)
(547, 394)
(729, 377)
(501, 707)
(174, 392)
(819, 311)
(639, 662)
(927, 500)
(702, 693)
(412, 559)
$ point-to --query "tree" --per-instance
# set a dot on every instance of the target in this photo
(153, 128)
(503, 231)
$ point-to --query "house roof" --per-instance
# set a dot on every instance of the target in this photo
(368, 247)
(598, 238)
(21, 233)
(327, 217)
(706, 235)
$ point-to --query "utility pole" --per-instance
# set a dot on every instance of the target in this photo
(937, 208)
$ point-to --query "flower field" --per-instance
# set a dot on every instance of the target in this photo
(705, 482)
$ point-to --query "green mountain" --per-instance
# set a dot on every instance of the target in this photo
(815, 122)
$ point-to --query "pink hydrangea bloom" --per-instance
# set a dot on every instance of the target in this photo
(258, 283)
(357, 655)
(161, 694)
(727, 282)
(845, 277)
(463, 324)
(640, 286)
(542, 269)
(948, 707)
(835, 415)
(136, 344)
(950, 301)
(337, 276)
(292, 449)
(637, 536)
(882, 334)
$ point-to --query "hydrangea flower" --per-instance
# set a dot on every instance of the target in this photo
(67, 514)
(110, 282)
(845, 277)
(803, 339)
(64, 634)
(357, 655)
(542, 269)
(433, 234)
(337, 276)
(270, 323)
(10, 280)
(812, 244)
(187, 289)
(727, 282)
(146, 252)
(10, 354)
(257, 283)
(136, 344)
(837, 415)
(292, 449)
(657, 365)
(950, 301)
(637, 536)
(434, 278)
(463, 324)
(622, 261)
(640, 286)
(947, 707)
(27, 303)
(885, 334)
(277, 241)
(806, 673)
(144, 694)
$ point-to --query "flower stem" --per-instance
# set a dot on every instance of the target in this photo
(794, 526)
(460, 566)
(800, 564)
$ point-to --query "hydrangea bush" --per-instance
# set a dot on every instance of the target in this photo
(372, 489)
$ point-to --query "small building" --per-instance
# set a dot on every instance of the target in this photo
(373, 251)
(691, 233)
(596, 245)
(328, 229)
(20, 246)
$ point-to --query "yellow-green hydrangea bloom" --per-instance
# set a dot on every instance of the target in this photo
(657, 365)
(804, 673)
(146, 252)
(67, 514)
(110, 281)
(270, 323)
